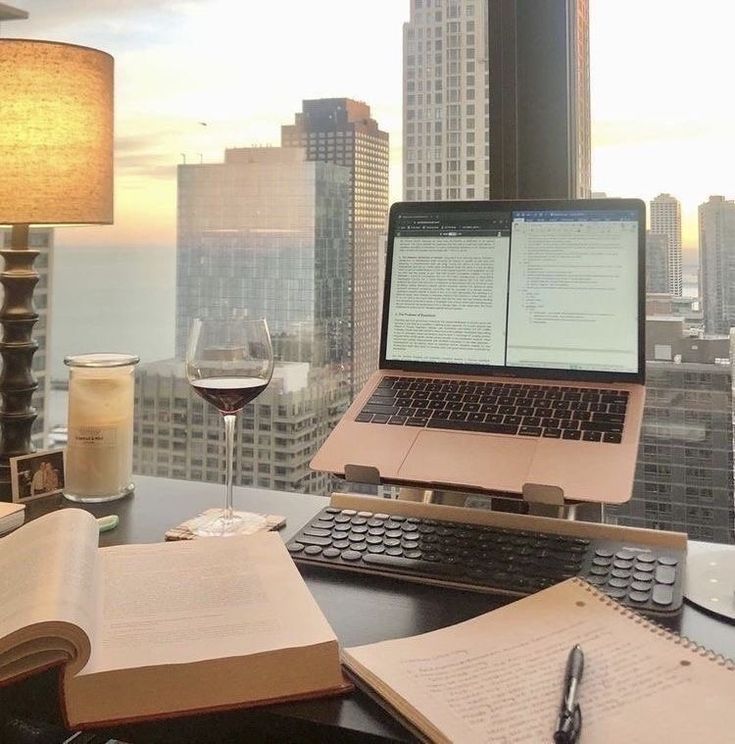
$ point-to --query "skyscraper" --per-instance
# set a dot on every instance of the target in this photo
(666, 220)
(267, 232)
(657, 263)
(445, 101)
(717, 263)
(341, 131)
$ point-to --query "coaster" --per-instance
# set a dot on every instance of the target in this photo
(711, 581)
(251, 523)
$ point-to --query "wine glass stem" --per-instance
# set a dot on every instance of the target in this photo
(229, 457)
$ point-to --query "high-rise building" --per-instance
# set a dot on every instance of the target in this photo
(717, 263)
(657, 263)
(341, 131)
(445, 101)
(266, 231)
(178, 435)
(666, 220)
(42, 240)
(684, 475)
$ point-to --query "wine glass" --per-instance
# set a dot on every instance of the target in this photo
(229, 362)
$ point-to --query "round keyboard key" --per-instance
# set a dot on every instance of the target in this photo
(397, 518)
(599, 570)
(358, 546)
(646, 558)
(625, 555)
(342, 519)
(410, 544)
(644, 568)
(331, 553)
(596, 580)
(351, 555)
(413, 520)
(642, 577)
(611, 591)
(312, 550)
(618, 583)
(364, 514)
(415, 554)
(599, 561)
(349, 512)
(617, 563)
(636, 596)
(374, 540)
(332, 510)
(340, 544)
(295, 547)
(380, 515)
(339, 535)
(353, 538)
(392, 542)
(640, 586)
(393, 533)
(667, 560)
(376, 522)
(376, 548)
(620, 573)
(376, 531)
(359, 529)
(603, 553)
(359, 520)
(394, 551)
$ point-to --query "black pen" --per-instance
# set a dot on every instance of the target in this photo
(570, 716)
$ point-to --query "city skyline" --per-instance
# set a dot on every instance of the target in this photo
(658, 121)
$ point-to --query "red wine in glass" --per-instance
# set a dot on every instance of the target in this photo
(229, 394)
(229, 362)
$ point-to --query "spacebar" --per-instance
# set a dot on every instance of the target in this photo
(483, 426)
(410, 565)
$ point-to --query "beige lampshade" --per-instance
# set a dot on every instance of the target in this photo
(56, 126)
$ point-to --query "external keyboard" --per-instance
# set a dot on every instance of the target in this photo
(490, 559)
(552, 411)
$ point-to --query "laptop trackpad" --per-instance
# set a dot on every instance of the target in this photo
(472, 460)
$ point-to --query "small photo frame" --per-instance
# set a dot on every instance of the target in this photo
(37, 475)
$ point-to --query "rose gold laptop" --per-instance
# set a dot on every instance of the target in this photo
(512, 351)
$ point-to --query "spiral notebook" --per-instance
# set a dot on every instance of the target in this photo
(498, 677)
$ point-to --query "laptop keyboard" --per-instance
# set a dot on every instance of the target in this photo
(489, 559)
(556, 412)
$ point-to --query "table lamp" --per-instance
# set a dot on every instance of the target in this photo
(56, 125)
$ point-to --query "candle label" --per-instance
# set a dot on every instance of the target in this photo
(94, 436)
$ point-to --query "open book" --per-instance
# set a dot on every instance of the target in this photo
(499, 677)
(164, 629)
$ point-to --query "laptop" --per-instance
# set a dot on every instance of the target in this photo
(512, 353)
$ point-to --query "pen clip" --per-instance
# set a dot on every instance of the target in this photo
(570, 724)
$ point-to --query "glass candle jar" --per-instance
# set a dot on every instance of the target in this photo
(99, 453)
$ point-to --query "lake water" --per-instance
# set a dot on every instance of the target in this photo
(112, 300)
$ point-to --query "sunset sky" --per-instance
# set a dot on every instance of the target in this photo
(196, 76)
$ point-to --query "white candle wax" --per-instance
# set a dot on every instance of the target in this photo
(99, 455)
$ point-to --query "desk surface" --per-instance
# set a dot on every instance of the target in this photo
(360, 611)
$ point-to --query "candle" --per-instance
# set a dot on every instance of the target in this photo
(99, 455)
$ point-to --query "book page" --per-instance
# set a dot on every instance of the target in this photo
(48, 576)
(181, 602)
(499, 677)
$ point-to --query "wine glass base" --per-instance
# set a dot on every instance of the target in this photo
(222, 526)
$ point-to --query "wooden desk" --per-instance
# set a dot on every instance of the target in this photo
(361, 610)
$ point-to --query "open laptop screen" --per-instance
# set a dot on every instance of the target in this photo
(535, 289)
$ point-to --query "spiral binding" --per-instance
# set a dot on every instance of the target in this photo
(654, 627)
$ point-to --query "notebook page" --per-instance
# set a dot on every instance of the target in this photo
(498, 678)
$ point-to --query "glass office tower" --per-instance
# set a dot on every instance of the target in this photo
(341, 131)
(717, 262)
(266, 233)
